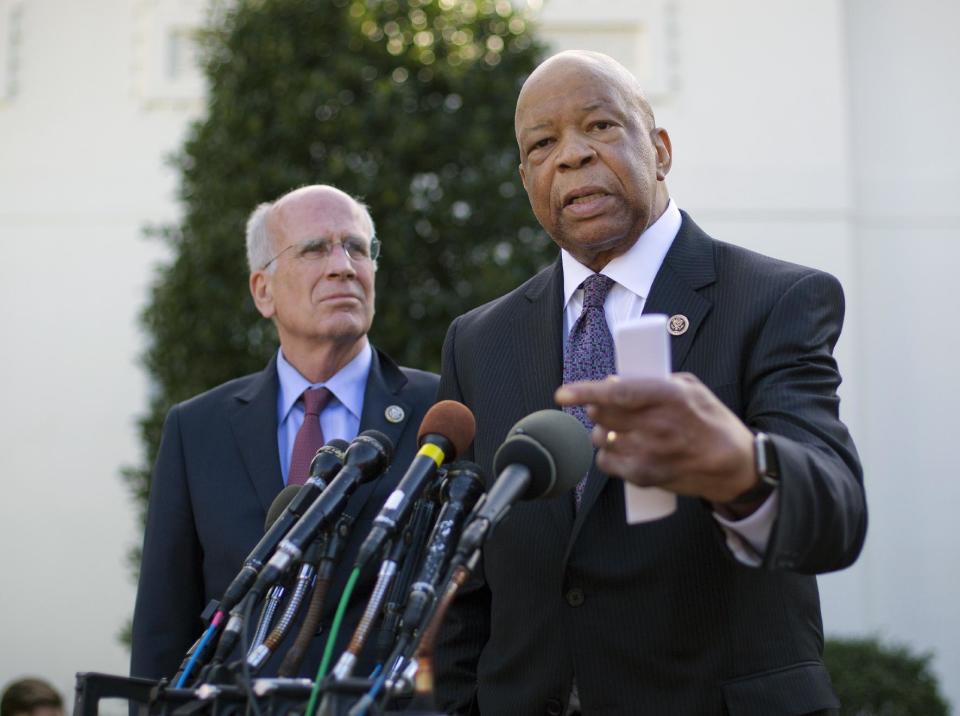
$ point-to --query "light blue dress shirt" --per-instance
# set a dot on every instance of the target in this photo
(341, 416)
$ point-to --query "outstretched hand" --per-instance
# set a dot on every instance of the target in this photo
(673, 433)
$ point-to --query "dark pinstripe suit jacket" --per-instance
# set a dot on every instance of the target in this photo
(659, 618)
(217, 472)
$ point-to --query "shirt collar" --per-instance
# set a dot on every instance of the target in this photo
(635, 269)
(347, 385)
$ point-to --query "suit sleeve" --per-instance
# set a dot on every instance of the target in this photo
(791, 386)
(466, 627)
(166, 618)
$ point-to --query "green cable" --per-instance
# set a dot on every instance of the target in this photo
(331, 639)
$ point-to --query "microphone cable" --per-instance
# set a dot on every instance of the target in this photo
(328, 562)
(262, 650)
(413, 534)
(331, 640)
(246, 680)
(204, 640)
(460, 485)
(421, 642)
(415, 539)
(423, 686)
(277, 508)
(270, 606)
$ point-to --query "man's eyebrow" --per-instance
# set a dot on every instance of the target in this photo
(328, 237)
(585, 109)
(535, 127)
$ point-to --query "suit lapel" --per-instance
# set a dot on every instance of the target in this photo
(253, 417)
(536, 341)
(687, 267)
(383, 390)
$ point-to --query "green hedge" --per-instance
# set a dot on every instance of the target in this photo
(874, 679)
(407, 104)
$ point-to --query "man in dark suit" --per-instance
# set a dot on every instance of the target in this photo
(226, 454)
(713, 609)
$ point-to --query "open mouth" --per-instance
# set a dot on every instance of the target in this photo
(585, 202)
(584, 195)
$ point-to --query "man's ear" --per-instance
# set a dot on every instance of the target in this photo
(523, 177)
(661, 143)
(262, 291)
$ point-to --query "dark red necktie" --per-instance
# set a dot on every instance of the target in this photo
(309, 437)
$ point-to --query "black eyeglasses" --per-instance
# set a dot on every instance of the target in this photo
(319, 250)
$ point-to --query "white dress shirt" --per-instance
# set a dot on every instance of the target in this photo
(633, 273)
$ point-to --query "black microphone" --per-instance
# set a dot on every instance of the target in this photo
(326, 463)
(230, 634)
(544, 455)
(275, 595)
(446, 431)
(463, 486)
(367, 457)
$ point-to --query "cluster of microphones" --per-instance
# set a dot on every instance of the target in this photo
(425, 543)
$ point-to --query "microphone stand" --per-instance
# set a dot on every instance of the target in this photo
(417, 534)
(423, 510)
(270, 606)
(335, 545)
(262, 650)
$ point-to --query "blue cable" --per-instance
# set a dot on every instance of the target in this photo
(196, 654)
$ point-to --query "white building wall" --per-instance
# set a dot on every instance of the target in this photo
(83, 136)
(904, 102)
(819, 131)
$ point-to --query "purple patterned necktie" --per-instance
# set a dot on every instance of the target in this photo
(309, 438)
(589, 354)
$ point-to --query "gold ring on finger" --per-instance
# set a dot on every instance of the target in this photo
(611, 437)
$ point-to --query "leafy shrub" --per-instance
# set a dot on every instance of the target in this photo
(407, 104)
(874, 679)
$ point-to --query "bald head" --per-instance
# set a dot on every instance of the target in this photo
(592, 160)
(553, 72)
(312, 270)
(316, 201)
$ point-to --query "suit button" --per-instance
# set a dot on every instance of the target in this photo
(554, 707)
(575, 597)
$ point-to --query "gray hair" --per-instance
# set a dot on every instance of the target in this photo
(260, 244)
(259, 241)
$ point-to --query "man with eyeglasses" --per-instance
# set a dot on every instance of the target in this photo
(227, 453)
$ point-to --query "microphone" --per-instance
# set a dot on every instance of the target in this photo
(463, 486)
(545, 454)
(367, 457)
(265, 644)
(279, 504)
(231, 632)
(326, 463)
(446, 431)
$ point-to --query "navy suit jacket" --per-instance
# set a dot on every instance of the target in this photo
(217, 472)
(659, 618)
